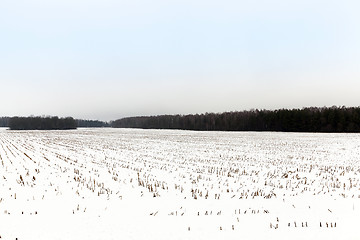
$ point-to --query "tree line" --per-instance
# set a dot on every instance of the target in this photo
(42, 123)
(325, 119)
(91, 123)
(333, 119)
(4, 121)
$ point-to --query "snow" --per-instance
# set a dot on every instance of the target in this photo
(171, 184)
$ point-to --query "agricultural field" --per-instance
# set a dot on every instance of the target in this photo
(172, 184)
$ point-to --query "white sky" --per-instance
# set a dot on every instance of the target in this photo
(109, 59)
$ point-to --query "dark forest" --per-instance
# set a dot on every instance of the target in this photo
(4, 121)
(333, 119)
(91, 123)
(41, 123)
(48, 123)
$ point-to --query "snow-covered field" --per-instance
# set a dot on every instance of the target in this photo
(162, 184)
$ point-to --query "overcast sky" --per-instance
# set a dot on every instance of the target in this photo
(107, 59)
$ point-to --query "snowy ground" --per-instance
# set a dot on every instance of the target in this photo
(154, 184)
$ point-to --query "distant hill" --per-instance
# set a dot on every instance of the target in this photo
(333, 119)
